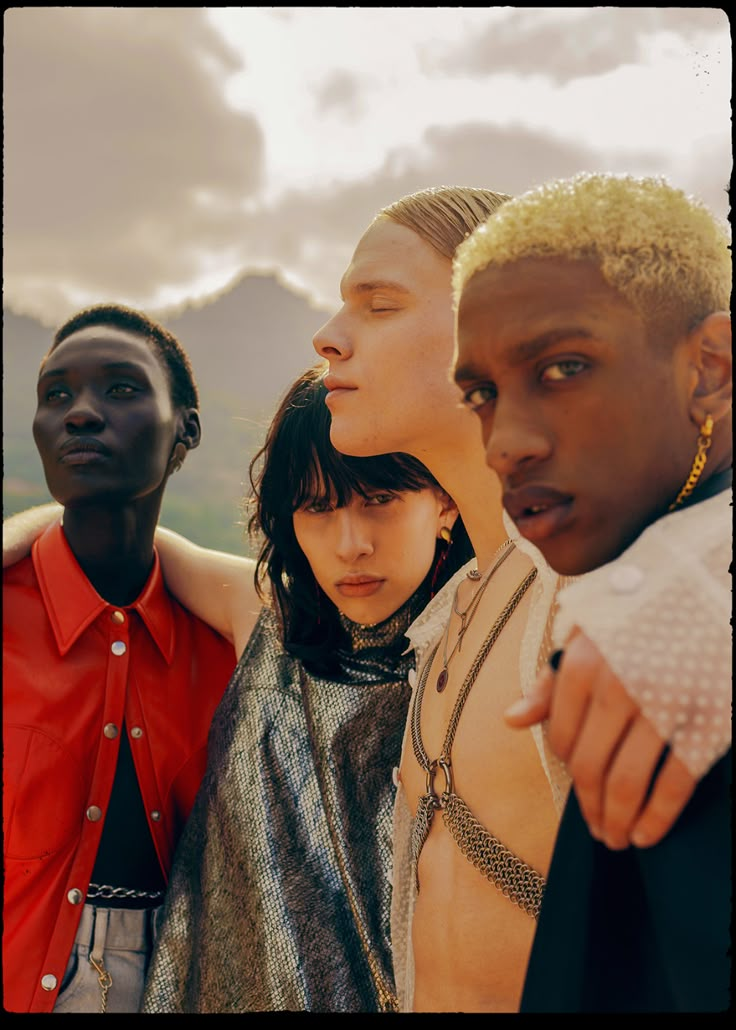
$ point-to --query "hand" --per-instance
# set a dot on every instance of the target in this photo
(611, 751)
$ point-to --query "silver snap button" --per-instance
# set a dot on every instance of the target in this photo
(49, 982)
(94, 814)
(156, 816)
(75, 896)
(118, 647)
(118, 617)
(136, 732)
(110, 730)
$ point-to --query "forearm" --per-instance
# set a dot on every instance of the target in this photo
(661, 618)
(216, 586)
(21, 529)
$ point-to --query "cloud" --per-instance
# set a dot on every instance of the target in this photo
(130, 174)
(340, 91)
(566, 44)
(317, 230)
(122, 161)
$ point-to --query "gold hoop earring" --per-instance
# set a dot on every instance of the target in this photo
(704, 442)
(445, 534)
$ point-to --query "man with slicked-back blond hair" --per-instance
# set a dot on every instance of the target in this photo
(389, 348)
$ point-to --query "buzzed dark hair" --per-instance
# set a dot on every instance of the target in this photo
(171, 354)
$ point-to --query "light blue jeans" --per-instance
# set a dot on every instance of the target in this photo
(120, 941)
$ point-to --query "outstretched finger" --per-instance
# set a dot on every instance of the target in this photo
(594, 750)
(628, 781)
(673, 788)
(574, 689)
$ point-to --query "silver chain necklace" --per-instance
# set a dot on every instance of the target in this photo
(466, 616)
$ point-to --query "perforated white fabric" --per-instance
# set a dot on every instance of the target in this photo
(660, 615)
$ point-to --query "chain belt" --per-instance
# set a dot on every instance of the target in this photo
(103, 890)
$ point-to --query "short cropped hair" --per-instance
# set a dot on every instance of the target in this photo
(662, 250)
(444, 216)
(171, 354)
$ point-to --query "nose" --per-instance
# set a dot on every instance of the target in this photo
(332, 340)
(83, 413)
(515, 440)
(354, 538)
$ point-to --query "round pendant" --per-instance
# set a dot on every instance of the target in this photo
(473, 574)
(442, 681)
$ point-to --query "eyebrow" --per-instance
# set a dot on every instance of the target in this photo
(111, 366)
(375, 284)
(526, 350)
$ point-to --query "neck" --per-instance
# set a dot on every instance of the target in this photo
(476, 490)
(114, 547)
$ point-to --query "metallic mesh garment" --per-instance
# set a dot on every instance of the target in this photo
(279, 898)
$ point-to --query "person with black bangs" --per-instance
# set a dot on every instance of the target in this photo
(280, 894)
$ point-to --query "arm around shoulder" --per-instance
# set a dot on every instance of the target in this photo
(216, 586)
(21, 529)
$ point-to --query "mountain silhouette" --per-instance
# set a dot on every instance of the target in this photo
(247, 345)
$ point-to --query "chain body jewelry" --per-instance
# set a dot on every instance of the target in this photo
(105, 981)
(514, 878)
(704, 442)
(466, 616)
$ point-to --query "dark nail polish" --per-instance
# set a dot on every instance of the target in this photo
(555, 658)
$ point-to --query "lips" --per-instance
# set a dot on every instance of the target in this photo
(538, 512)
(82, 450)
(359, 585)
(334, 385)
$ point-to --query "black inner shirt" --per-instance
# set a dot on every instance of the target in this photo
(126, 856)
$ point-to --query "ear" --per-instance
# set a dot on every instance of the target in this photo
(191, 430)
(189, 433)
(712, 367)
(448, 511)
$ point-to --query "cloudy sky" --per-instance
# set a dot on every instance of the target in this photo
(154, 155)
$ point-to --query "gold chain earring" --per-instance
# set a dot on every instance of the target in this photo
(446, 537)
(704, 442)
